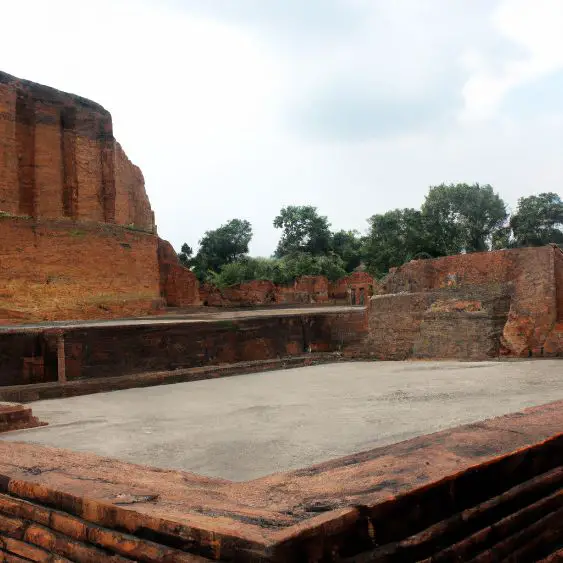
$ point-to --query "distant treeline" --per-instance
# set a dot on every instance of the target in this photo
(453, 219)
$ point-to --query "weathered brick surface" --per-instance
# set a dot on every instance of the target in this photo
(305, 290)
(60, 269)
(178, 285)
(109, 351)
(61, 166)
(60, 159)
(16, 417)
(452, 495)
(132, 206)
(355, 289)
(530, 276)
(9, 169)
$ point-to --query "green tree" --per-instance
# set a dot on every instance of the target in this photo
(394, 238)
(221, 246)
(462, 217)
(303, 230)
(185, 256)
(348, 245)
(538, 220)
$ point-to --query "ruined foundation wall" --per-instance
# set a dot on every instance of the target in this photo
(106, 351)
(305, 290)
(103, 352)
(528, 272)
(60, 269)
(179, 287)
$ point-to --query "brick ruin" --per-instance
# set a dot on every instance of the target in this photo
(472, 306)
(354, 289)
(78, 240)
(77, 232)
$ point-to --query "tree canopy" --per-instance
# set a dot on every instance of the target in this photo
(454, 218)
(394, 238)
(221, 246)
(303, 230)
(462, 217)
(538, 220)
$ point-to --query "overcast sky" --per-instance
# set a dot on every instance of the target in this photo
(236, 108)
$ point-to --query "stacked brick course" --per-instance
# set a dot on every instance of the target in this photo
(60, 159)
(77, 232)
(471, 306)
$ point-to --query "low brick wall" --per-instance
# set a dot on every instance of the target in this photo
(491, 491)
(354, 289)
(100, 351)
(455, 324)
(536, 277)
(16, 417)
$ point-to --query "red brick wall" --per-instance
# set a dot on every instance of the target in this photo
(61, 269)
(178, 285)
(132, 206)
(59, 159)
(306, 290)
(558, 258)
(529, 271)
(343, 290)
(9, 197)
(125, 350)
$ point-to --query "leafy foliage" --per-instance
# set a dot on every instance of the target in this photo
(462, 217)
(185, 256)
(538, 220)
(279, 270)
(224, 245)
(454, 218)
(303, 230)
(394, 238)
(349, 246)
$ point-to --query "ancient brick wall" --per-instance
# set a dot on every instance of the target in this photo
(60, 159)
(355, 289)
(445, 323)
(558, 268)
(529, 271)
(305, 290)
(178, 285)
(124, 350)
(60, 269)
(132, 206)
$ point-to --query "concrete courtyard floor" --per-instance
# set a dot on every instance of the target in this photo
(248, 426)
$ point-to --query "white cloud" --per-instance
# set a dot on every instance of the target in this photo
(535, 27)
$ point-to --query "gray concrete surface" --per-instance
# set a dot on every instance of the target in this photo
(251, 425)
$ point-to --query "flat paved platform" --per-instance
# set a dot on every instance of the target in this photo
(252, 425)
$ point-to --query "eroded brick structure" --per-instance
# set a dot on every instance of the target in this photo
(471, 306)
(60, 159)
(77, 232)
(355, 289)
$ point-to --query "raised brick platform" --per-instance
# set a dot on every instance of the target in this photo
(487, 491)
(16, 417)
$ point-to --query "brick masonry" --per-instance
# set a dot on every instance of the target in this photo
(487, 490)
(471, 306)
(354, 289)
(42, 356)
(60, 159)
(16, 417)
(66, 186)
(59, 269)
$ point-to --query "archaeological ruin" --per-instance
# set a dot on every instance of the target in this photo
(146, 417)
